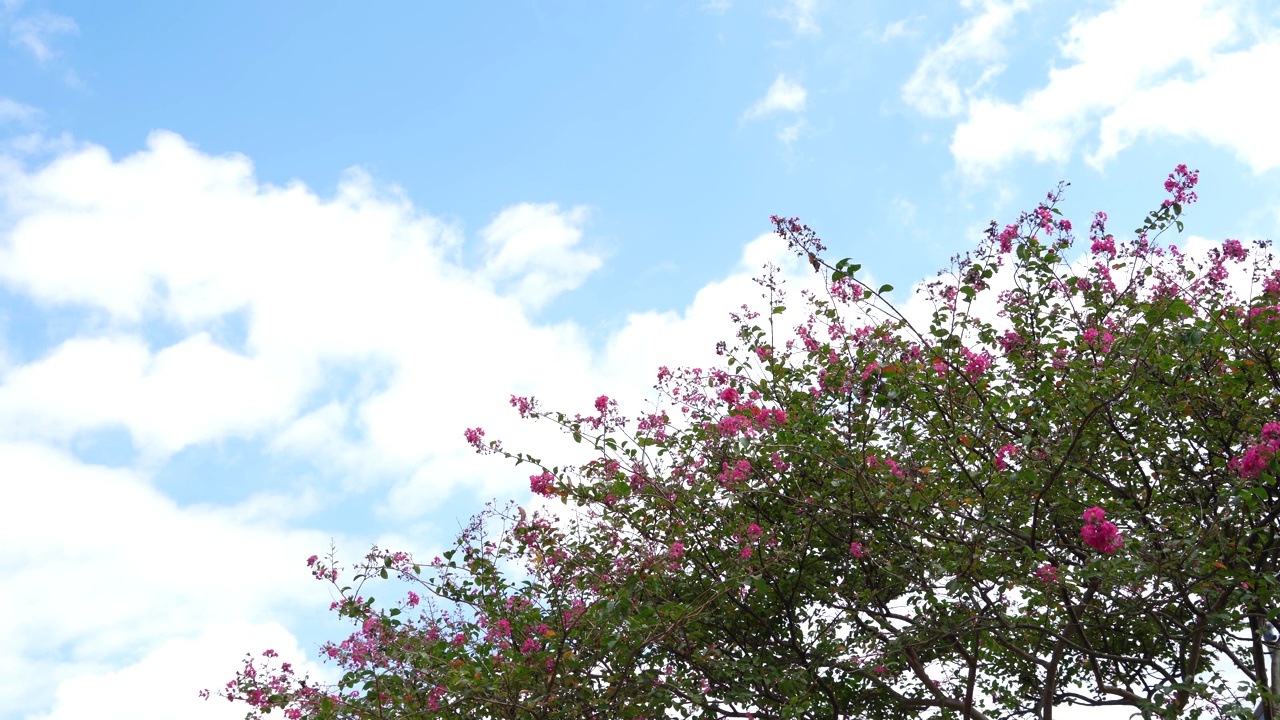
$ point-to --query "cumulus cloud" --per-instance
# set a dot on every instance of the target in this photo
(1184, 68)
(105, 568)
(783, 96)
(362, 347)
(163, 685)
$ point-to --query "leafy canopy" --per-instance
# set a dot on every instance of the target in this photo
(1056, 488)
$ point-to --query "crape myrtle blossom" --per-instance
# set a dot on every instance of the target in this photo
(1100, 534)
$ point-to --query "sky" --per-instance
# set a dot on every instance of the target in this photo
(261, 264)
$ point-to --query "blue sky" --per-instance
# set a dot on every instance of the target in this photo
(262, 263)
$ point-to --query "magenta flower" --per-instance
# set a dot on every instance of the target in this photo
(1047, 573)
(1004, 452)
(676, 551)
(543, 484)
(857, 551)
(1099, 534)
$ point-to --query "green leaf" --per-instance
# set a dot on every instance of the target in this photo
(885, 288)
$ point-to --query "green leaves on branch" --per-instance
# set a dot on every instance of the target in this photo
(1070, 502)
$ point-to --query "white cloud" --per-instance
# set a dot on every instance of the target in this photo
(933, 88)
(899, 28)
(95, 383)
(1182, 68)
(1222, 106)
(164, 249)
(106, 569)
(11, 110)
(800, 13)
(535, 243)
(35, 33)
(783, 96)
(790, 133)
(164, 684)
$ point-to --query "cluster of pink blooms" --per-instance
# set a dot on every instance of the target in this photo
(1010, 342)
(1258, 457)
(1099, 339)
(976, 364)
(525, 406)
(1004, 452)
(1102, 242)
(857, 550)
(1047, 573)
(543, 484)
(1179, 185)
(729, 477)
(873, 461)
(475, 438)
(1100, 534)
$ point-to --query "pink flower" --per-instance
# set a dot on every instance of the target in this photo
(475, 438)
(857, 551)
(754, 530)
(312, 560)
(602, 403)
(543, 484)
(413, 599)
(746, 552)
(778, 464)
(1007, 236)
(1234, 250)
(1271, 285)
(1098, 533)
(1258, 457)
(676, 551)
(1010, 342)
(1099, 339)
(1047, 573)
(1002, 453)
(523, 405)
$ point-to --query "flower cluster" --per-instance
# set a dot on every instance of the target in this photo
(1257, 457)
(1100, 534)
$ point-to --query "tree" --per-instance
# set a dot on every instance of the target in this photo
(861, 515)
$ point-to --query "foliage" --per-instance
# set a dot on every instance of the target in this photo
(1070, 501)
